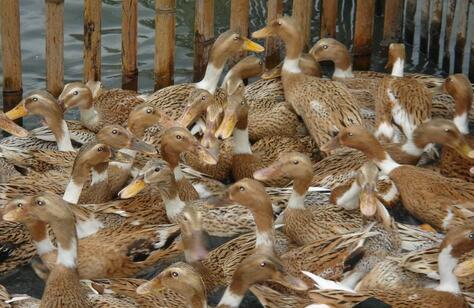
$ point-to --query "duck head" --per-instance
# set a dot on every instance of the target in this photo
(78, 94)
(155, 171)
(367, 180)
(459, 87)
(248, 67)
(192, 237)
(396, 59)
(119, 137)
(196, 104)
(146, 115)
(214, 117)
(14, 210)
(293, 165)
(235, 113)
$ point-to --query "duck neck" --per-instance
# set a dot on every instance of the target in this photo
(89, 115)
(61, 133)
(300, 188)
(462, 105)
(40, 236)
(233, 295)
(375, 152)
(211, 78)
(196, 300)
(173, 204)
(447, 263)
(414, 146)
(263, 216)
(293, 48)
(241, 141)
(99, 176)
(73, 191)
(398, 66)
(342, 64)
(66, 238)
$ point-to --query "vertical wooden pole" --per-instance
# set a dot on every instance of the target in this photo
(363, 34)
(451, 7)
(302, 14)
(165, 29)
(11, 53)
(329, 18)
(425, 25)
(129, 45)
(435, 29)
(55, 46)
(203, 36)
(272, 50)
(239, 22)
(409, 21)
(392, 23)
(470, 69)
(460, 35)
(92, 24)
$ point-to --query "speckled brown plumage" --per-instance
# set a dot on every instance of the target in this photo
(16, 247)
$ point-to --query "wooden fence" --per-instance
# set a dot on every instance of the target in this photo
(441, 32)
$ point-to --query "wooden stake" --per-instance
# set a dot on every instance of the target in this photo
(364, 26)
(92, 24)
(203, 36)
(272, 50)
(451, 7)
(435, 29)
(239, 23)
(329, 18)
(302, 14)
(410, 21)
(392, 23)
(11, 53)
(55, 46)
(129, 45)
(460, 34)
(165, 22)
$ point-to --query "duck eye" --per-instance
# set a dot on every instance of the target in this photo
(114, 131)
(279, 23)
(75, 93)
(446, 130)
(260, 62)
(149, 110)
(100, 149)
(236, 38)
(204, 97)
(39, 203)
(351, 134)
(179, 137)
(174, 274)
(19, 204)
(263, 264)
(157, 169)
(296, 162)
(34, 99)
(241, 188)
(471, 236)
(325, 46)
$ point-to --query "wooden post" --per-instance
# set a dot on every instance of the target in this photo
(165, 28)
(392, 23)
(471, 26)
(329, 18)
(239, 22)
(425, 26)
(302, 10)
(363, 33)
(450, 10)
(435, 29)
(410, 11)
(272, 50)
(55, 46)
(11, 53)
(92, 24)
(460, 34)
(203, 36)
(129, 45)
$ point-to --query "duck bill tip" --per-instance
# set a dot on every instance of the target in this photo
(132, 189)
(267, 173)
(250, 45)
(18, 112)
(262, 33)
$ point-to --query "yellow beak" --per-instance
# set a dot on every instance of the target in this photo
(148, 287)
(10, 127)
(465, 269)
(465, 150)
(262, 33)
(368, 202)
(227, 126)
(252, 46)
(18, 112)
(132, 189)
(13, 215)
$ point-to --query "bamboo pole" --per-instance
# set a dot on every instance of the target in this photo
(203, 36)
(392, 23)
(302, 14)
(363, 34)
(92, 24)
(165, 30)
(272, 50)
(55, 46)
(129, 45)
(435, 29)
(329, 18)
(460, 35)
(239, 22)
(451, 7)
(11, 53)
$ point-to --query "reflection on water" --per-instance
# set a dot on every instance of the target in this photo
(33, 33)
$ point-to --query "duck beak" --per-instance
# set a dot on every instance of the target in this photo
(252, 46)
(368, 201)
(13, 215)
(465, 269)
(120, 157)
(204, 154)
(190, 114)
(227, 126)
(148, 287)
(198, 251)
(18, 112)
(141, 146)
(272, 171)
(464, 149)
(290, 281)
(132, 189)
(10, 127)
(262, 33)
(331, 145)
(273, 73)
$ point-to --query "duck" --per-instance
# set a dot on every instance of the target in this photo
(313, 99)
(231, 220)
(445, 197)
(171, 99)
(457, 241)
(246, 158)
(400, 100)
(452, 164)
(185, 281)
(98, 107)
(123, 251)
(11, 127)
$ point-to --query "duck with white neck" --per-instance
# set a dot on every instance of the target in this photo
(400, 100)
(457, 242)
(447, 199)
